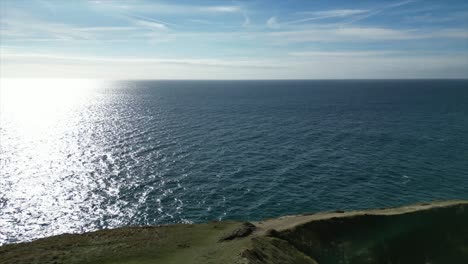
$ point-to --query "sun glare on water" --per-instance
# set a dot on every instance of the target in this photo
(36, 104)
(46, 129)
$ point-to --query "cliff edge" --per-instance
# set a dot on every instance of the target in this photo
(433, 233)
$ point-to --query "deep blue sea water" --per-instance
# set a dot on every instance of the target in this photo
(157, 152)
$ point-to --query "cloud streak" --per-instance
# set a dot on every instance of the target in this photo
(320, 15)
(242, 37)
(31, 57)
(354, 15)
(272, 22)
(379, 11)
(150, 25)
(338, 54)
(364, 34)
(356, 66)
(160, 8)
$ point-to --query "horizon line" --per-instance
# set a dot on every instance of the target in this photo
(285, 79)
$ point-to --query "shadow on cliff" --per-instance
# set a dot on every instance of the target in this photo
(439, 235)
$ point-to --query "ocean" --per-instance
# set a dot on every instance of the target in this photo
(82, 155)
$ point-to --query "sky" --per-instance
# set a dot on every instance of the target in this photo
(286, 39)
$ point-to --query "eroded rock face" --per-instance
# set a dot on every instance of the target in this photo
(244, 230)
(435, 235)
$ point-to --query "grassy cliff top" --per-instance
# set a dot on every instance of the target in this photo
(424, 233)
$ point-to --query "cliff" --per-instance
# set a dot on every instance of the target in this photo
(424, 233)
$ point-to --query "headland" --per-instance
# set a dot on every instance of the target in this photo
(435, 232)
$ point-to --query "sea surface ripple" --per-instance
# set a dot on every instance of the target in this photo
(80, 155)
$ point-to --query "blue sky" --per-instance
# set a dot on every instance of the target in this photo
(289, 39)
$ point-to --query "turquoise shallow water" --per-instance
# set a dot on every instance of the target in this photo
(82, 155)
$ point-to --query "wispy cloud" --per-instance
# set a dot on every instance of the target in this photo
(402, 3)
(343, 53)
(219, 9)
(106, 29)
(34, 30)
(364, 66)
(235, 35)
(319, 15)
(430, 17)
(379, 10)
(160, 8)
(376, 33)
(27, 27)
(246, 20)
(334, 13)
(363, 34)
(39, 57)
(352, 15)
(449, 33)
(150, 25)
(272, 22)
(133, 17)
(200, 21)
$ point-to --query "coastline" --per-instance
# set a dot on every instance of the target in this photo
(433, 232)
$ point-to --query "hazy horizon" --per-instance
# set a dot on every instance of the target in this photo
(234, 40)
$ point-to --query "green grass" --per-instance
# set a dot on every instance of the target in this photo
(436, 235)
(135, 245)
